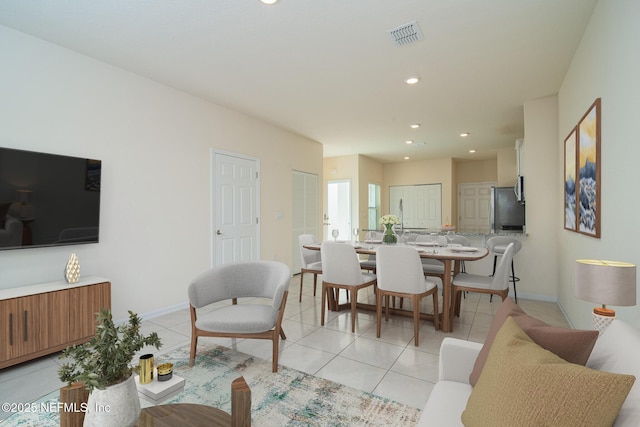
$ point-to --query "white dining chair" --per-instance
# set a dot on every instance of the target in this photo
(497, 246)
(400, 275)
(462, 241)
(369, 264)
(311, 261)
(496, 285)
(341, 270)
(431, 267)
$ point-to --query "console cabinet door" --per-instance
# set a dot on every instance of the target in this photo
(25, 325)
(85, 303)
(7, 328)
(58, 318)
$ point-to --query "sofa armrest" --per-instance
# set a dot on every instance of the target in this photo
(457, 358)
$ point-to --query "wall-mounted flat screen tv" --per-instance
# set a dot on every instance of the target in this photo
(48, 199)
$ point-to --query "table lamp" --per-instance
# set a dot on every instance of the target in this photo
(606, 283)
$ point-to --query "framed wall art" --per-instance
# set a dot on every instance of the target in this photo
(588, 171)
(570, 185)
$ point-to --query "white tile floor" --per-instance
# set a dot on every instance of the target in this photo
(390, 366)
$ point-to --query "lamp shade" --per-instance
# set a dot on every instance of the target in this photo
(606, 282)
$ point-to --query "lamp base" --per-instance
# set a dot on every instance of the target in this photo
(606, 312)
(602, 318)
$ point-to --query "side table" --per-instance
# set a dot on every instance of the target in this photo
(188, 414)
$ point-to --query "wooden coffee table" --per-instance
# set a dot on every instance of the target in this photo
(188, 414)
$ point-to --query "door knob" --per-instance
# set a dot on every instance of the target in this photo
(218, 232)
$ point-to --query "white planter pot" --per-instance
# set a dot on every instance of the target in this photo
(117, 405)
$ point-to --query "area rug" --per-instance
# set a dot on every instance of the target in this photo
(286, 398)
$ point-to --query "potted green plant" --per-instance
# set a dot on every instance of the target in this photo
(104, 365)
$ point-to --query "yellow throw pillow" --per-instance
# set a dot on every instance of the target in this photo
(523, 384)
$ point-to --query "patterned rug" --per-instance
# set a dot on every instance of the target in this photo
(286, 398)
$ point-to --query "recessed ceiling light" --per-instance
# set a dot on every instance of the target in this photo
(269, 1)
(409, 141)
(412, 80)
(465, 134)
(415, 126)
(472, 151)
(407, 157)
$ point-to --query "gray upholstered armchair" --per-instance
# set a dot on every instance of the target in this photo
(259, 279)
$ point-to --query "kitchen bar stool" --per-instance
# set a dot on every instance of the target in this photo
(497, 245)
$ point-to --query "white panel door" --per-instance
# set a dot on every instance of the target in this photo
(235, 209)
(474, 206)
(305, 212)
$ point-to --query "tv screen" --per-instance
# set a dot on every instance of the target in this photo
(48, 199)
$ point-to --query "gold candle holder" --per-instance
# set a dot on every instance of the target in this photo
(146, 368)
(165, 371)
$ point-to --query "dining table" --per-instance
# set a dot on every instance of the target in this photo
(451, 256)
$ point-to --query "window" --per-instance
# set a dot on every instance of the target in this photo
(374, 206)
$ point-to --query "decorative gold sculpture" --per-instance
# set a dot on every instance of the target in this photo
(72, 271)
(146, 368)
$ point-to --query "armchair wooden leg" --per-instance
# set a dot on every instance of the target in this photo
(276, 341)
(192, 353)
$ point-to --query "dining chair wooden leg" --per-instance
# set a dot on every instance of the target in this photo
(436, 312)
(324, 301)
(354, 300)
(415, 299)
(334, 298)
(300, 298)
(386, 308)
(456, 295)
(315, 283)
(378, 313)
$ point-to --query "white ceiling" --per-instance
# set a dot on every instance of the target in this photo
(328, 69)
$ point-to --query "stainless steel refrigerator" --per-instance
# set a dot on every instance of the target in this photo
(507, 213)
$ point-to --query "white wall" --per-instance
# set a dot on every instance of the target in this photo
(606, 65)
(537, 262)
(155, 143)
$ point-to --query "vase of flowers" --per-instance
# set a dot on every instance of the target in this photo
(389, 236)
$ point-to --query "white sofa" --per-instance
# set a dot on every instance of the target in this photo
(616, 350)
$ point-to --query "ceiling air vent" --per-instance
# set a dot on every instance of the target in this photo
(406, 34)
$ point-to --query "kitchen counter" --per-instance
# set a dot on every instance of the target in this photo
(510, 233)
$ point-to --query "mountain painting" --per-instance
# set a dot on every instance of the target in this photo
(588, 191)
(570, 213)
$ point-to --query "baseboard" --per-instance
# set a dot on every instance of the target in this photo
(535, 297)
(166, 310)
